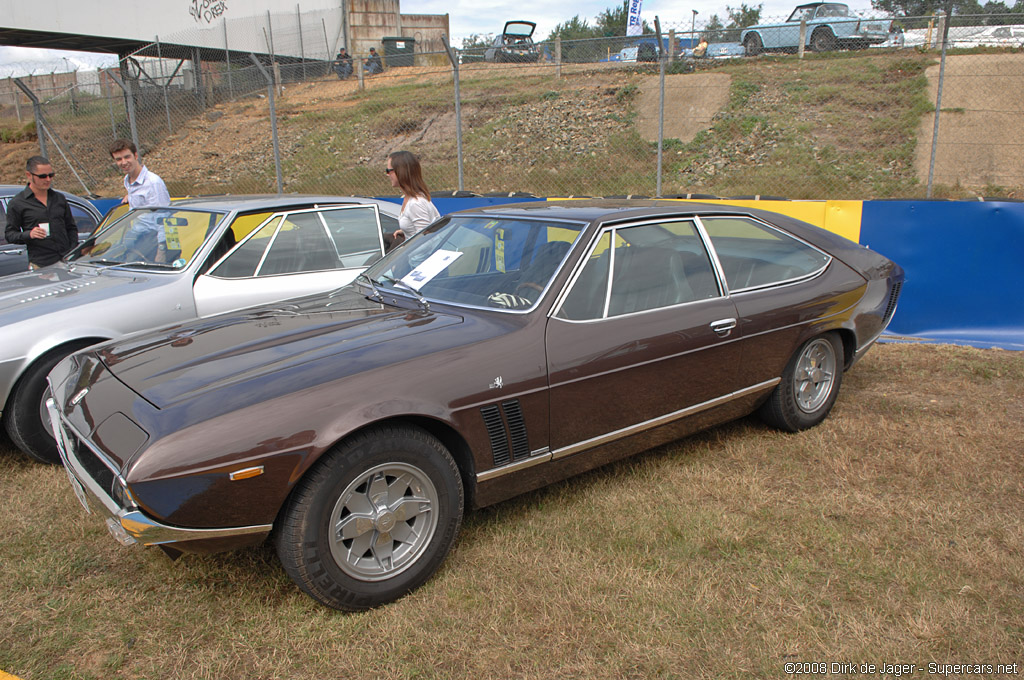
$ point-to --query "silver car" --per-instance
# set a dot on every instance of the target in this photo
(161, 266)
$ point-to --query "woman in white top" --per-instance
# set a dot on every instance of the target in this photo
(403, 170)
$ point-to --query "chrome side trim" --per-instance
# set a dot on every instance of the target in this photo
(536, 457)
(661, 420)
(545, 455)
(140, 528)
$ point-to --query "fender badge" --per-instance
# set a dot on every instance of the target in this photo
(497, 383)
(79, 396)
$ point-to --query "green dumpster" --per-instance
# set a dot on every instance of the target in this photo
(398, 51)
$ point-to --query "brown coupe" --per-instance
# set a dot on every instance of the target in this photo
(500, 350)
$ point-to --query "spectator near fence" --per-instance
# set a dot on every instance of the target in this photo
(40, 218)
(145, 189)
(374, 63)
(343, 64)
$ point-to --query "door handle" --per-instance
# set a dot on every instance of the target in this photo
(723, 327)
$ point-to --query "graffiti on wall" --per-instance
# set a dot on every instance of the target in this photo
(206, 10)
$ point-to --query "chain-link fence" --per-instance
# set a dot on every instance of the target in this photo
(827, 107)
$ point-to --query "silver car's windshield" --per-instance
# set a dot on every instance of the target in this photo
(150, 237)
(480, 261)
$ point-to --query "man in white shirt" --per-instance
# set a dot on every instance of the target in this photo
(145, 189)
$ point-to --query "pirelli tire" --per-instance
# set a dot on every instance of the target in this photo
(809, 386)
(373, 520)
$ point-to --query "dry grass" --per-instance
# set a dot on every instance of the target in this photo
(891, 533)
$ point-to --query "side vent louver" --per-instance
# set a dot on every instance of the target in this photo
(507, 434)
(891, 308)
(516, 429)
(496, 432)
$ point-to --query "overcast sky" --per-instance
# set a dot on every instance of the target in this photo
(466, 18)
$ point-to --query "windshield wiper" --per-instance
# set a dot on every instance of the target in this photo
(373, 285)
(419, 298)
(112, 264)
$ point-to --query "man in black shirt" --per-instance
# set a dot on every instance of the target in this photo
(40, 218)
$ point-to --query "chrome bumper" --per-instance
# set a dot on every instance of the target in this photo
(128, 525)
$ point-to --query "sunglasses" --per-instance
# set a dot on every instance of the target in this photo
(388, 171)
(45, 175)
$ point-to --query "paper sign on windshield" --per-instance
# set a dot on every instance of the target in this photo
(431, 267)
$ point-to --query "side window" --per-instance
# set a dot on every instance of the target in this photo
(754, 255)
(590, 290)
(653, 266)
(301, 245)
(355, 234)
(243, 262)
(84, 220)
(388, 224)
(656, 265)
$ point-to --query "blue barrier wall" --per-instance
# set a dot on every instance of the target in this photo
(965, 268)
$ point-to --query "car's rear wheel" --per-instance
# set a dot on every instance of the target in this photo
(26, 419)
(373, 519)
(809, 386)
(823, 40)
(752, 45)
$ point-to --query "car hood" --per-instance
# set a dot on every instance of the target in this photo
(267, 351)
(59, 286)
(522, 29)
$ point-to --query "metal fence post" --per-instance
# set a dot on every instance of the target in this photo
(129, 103)
(558, 57)
(302, 49)
(802, 40)
(661, 103)
(167, 103)
(458, 107)
(37, 110)
(110, 102)
(227, 60)
(273, 121)
(938, 98)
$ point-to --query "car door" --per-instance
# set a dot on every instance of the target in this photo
(779, 285)
(13, 257)
(643, 333)
(292, 254)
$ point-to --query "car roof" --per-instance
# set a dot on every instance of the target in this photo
(12, 189)
(604, 209)
(248, 202)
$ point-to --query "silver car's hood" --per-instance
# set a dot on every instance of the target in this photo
(60, 286)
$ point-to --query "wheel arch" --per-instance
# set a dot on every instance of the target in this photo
(849, 340)
(67, 346)
(444, 432)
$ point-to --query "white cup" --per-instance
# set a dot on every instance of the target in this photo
(45, 226)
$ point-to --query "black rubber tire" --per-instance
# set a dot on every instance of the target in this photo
(823, 40)
(752, 46)
(303, 536)
(21, 417)
(782, 410)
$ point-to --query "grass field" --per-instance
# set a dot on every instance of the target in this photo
(892, 533)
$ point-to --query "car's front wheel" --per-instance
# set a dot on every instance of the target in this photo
(752, 45)
(823, 40)
(809, 386)
(373, 519)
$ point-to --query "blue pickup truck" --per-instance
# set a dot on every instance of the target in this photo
(830, 26)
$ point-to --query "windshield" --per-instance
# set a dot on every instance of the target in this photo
(479, 261)
(157, 237)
